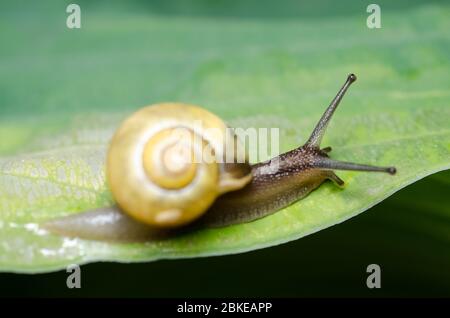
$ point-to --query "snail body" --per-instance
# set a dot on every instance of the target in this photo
(158, 191)
(268, 192)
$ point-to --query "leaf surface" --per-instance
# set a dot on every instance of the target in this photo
(62, 103)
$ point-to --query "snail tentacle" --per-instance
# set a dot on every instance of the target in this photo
(319, 131)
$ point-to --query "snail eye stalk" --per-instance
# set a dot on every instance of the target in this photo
(331, 164)
(319, 131)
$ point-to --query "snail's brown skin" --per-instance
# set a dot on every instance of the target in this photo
(274, 185)
(269, 192)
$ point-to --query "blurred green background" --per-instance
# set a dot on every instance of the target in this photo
(134, 53)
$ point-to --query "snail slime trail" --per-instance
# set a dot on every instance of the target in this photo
(156, 199)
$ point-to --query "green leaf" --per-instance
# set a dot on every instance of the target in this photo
(63, 101)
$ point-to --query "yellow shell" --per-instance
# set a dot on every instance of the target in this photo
(165, 163)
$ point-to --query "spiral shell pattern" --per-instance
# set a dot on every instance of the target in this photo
(162, 165)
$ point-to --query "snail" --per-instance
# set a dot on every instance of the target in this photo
(164, 183)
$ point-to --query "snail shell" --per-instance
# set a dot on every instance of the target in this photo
(165, 164)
